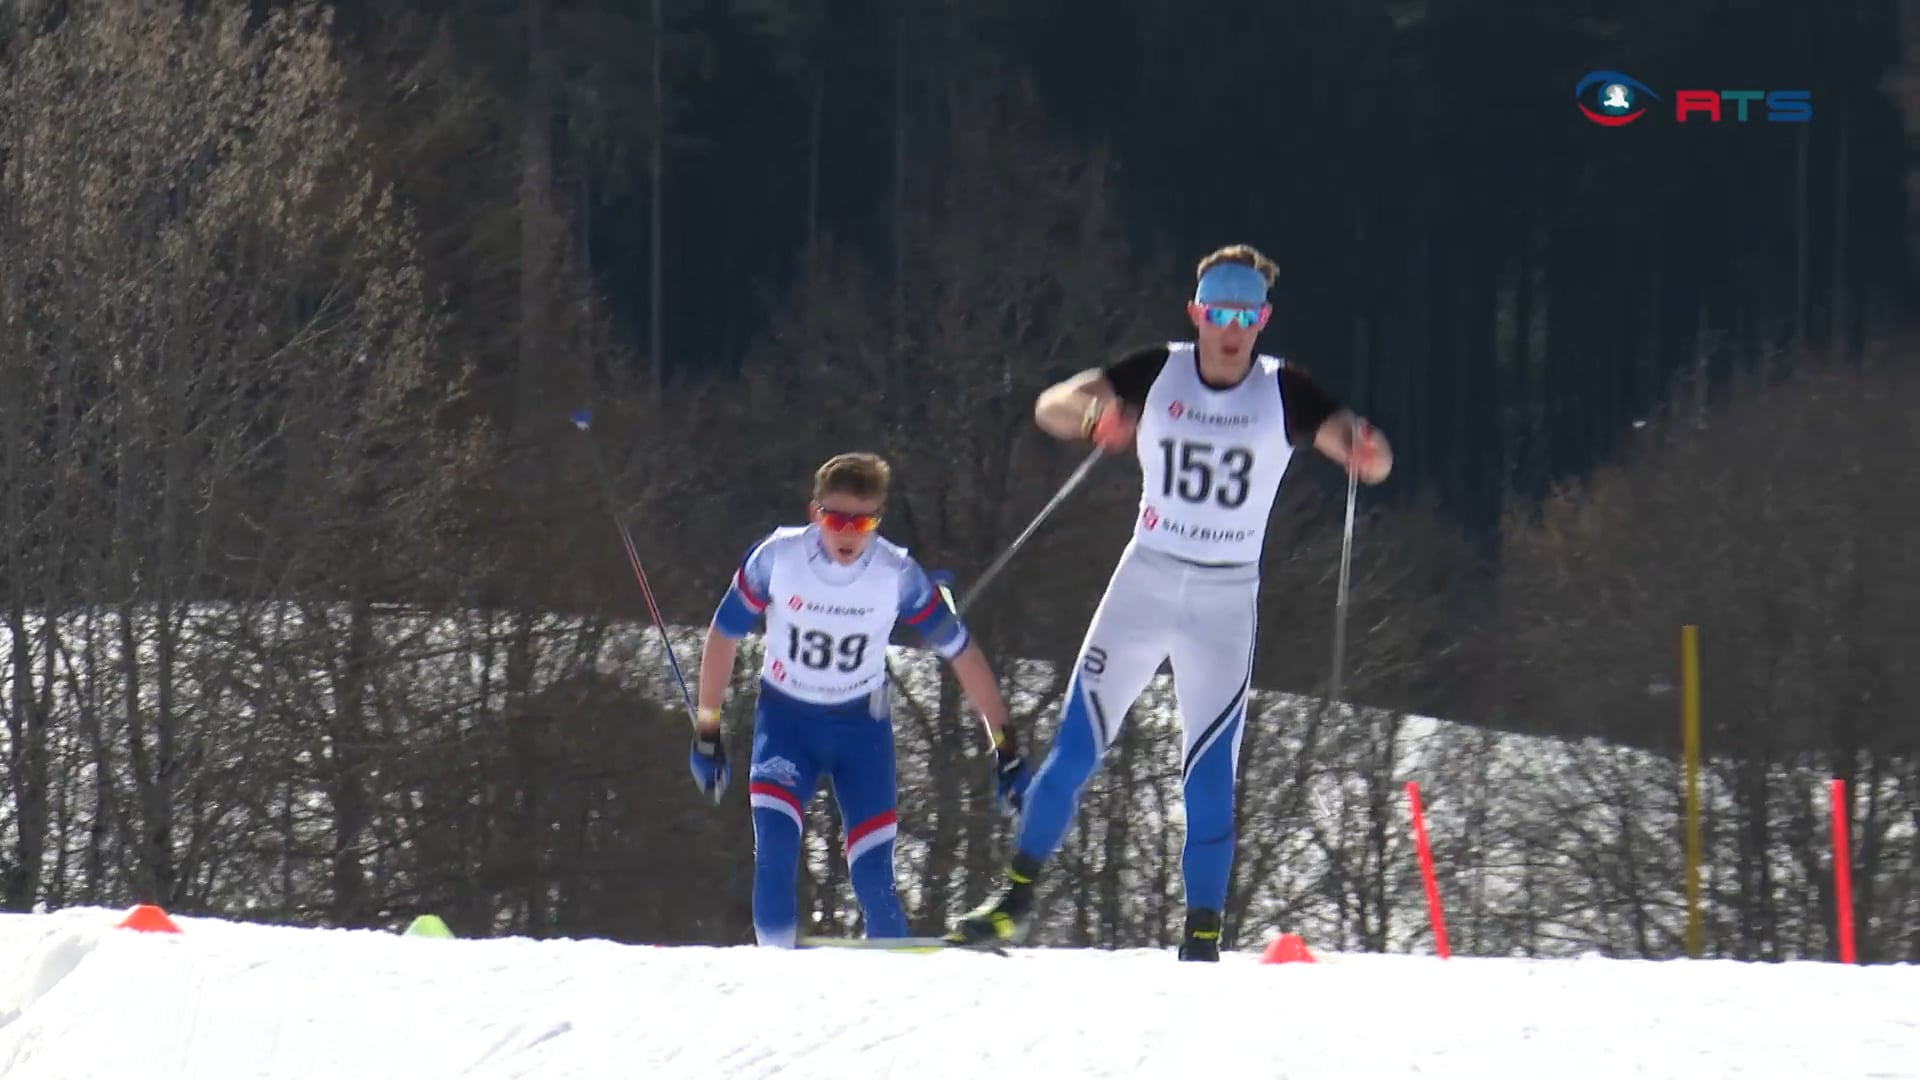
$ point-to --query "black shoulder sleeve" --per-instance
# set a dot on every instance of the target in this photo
(1307, 405)
(1132, 375)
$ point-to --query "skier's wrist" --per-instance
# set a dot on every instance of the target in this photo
(1090, 417)
(1006, 742)
(706, 722)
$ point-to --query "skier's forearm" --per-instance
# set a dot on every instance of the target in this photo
(1336, 441)
(977, 682)
(1062, 409)
(716, 672)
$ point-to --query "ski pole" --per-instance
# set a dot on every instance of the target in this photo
(583, 419)
(1346, 569)
(1000, 563)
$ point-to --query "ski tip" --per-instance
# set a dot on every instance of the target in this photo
(581, 418)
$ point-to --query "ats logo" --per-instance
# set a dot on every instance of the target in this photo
(794, 603)
(1611, 99)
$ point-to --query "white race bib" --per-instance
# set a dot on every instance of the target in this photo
(827, 643)
(1212, 461)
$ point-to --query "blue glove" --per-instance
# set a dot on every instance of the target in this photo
(707, 760)
(1012, 776)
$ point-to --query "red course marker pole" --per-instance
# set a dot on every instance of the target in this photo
(1842, 870)
(1426, 870)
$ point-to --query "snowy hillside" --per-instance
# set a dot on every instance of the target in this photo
(79, 998)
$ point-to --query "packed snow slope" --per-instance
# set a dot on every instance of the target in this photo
(221, 1000)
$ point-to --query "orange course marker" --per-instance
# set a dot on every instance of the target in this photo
(1287, 949)
(149, 919)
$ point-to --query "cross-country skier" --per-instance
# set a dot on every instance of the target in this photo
(831, 593)
(1214, 425)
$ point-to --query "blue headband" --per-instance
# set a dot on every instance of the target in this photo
(1232, 283)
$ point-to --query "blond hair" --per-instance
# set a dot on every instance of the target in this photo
(861, 475)
(1243, 254)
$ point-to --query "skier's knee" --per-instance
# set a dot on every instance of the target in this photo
(1075, 751)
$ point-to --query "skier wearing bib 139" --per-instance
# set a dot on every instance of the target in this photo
(831, 593)
(1214, 425)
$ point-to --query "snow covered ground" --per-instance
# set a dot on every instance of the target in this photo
(226, 1000)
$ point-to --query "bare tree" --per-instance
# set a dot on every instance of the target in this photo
(229, 318)
(1763, 519)
(1011, 274)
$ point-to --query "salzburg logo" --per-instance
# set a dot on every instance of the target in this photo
(1174, 410)
(779, 671)
(1149, 518)
(1615, 98)
(795, 602)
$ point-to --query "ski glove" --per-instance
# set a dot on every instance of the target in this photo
(1012, 775)
(707, 760)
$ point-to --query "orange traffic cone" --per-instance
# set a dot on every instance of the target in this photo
(1287, 949)
(149, 919)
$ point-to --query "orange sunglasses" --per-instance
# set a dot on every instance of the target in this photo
(836, 521)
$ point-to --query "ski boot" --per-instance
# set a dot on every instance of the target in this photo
(1202, 939)
(1004, 920)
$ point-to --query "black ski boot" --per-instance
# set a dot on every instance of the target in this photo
(1003, 920)
(1202, 940)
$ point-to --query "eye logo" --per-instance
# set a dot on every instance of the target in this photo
(1615, 98)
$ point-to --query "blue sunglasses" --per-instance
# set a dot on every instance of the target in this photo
(1229, 316)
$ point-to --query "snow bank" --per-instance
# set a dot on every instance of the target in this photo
(223, 1000)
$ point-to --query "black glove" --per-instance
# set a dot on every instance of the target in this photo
(707, 760)
(1012, 775)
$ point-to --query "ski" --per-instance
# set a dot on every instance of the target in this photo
(899, 945)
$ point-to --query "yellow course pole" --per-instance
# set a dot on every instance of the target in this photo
(1690, 737)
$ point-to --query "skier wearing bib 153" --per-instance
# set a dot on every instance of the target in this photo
(1214, 425)
(831, 592)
